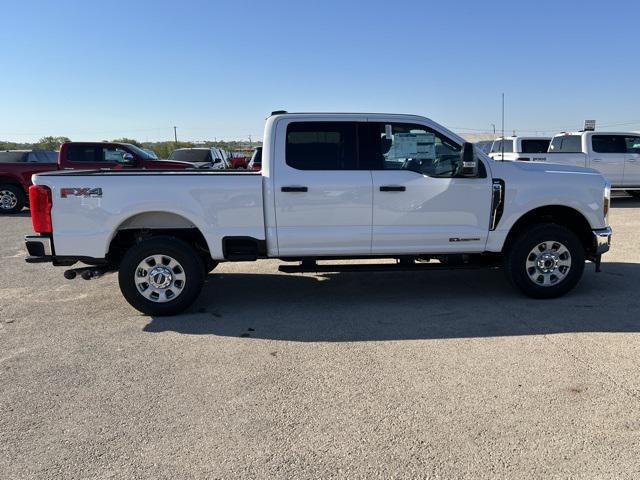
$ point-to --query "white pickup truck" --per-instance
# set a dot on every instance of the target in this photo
(332, 186)
(615, 155)
(526, 149)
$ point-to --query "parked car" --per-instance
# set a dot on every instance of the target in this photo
(16, 168)
(202, 157)
(527, 149)
(255, 164)
(334, 185)
(615, 155)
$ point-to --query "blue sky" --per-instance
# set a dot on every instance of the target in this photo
(99, 70)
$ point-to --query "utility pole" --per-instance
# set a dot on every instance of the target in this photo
(493, 125)
(175, 134)
(249, 140)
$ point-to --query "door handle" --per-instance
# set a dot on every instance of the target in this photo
(596, 160)
(393, 188)
(294, 189)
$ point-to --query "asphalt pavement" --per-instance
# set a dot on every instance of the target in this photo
(438, 375)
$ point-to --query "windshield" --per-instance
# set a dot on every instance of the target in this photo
(140, 152)
(191, 155)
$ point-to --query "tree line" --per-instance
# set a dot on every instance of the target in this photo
(162, 149)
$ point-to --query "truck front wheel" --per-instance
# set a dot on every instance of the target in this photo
(11, 199)
(545, 261)
(161, 276)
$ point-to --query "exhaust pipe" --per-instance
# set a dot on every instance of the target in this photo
(87, 273)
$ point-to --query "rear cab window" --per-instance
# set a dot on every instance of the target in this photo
(566, 144)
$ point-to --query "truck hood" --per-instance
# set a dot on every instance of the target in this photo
(540, 167)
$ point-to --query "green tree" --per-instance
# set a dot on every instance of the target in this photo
(127, 140)
(51, 143)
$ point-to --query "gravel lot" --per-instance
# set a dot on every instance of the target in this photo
(404, 375)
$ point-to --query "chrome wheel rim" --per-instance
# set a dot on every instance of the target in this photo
(160, 278)
(8, 199)
(548, 263)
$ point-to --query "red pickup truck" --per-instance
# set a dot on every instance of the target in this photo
(17, 166)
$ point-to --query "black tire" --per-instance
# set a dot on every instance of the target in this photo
(12, 199)
(191, 269)
(634, 193)
(521, 251)
(210, 265)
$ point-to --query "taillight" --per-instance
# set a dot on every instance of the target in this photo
(40, 206)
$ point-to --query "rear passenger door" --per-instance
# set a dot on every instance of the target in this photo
(608, 155)
(323, 196)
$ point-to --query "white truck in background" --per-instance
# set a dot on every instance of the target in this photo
(332, 187)
(526, 149)
(614, 154)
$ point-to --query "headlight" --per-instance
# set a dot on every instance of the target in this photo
(606, 203)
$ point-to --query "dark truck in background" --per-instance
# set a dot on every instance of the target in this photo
(16, 169)
(17, 166)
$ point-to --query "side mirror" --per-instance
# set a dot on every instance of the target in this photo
(128, 158)
(468, 161)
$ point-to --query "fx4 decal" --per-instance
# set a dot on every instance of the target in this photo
(80, 192)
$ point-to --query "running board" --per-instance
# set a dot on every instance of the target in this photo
(377, 267)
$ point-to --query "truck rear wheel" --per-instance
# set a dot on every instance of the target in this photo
(545, 261)
(11, 199)
(161, 276)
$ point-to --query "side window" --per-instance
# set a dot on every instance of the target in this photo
(83, 153)
(113, 154)
(535, 146)
(321, 146)
(417, 148)
(632, 144)
(608, 144)
(508, 146)
(497, 146)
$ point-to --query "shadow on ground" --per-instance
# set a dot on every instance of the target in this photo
(404, 305)
(625, 202)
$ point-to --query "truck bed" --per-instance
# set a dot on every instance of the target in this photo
(96, 203)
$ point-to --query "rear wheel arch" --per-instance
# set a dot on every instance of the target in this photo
(147, 225)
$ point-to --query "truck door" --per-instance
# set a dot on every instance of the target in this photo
(632, 162)
(420, 205)
(608, 155)
(323, 197)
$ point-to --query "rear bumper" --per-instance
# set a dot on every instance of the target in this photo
(40, 248)
(602, 240)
